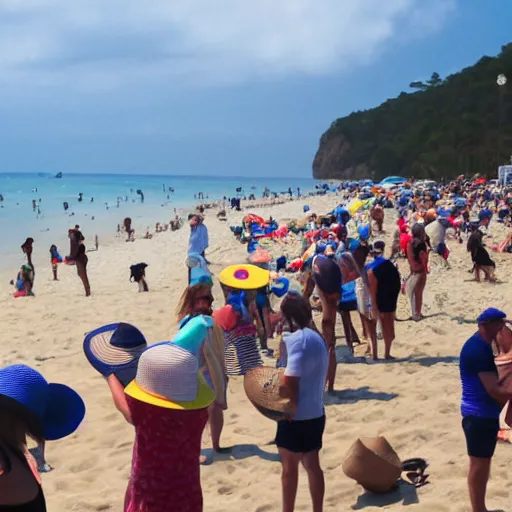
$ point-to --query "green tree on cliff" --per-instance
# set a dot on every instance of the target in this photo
(445, 128)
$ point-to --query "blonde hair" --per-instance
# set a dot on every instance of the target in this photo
(189, 297)
(346, 259)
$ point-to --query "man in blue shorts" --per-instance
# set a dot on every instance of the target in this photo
(482, 401)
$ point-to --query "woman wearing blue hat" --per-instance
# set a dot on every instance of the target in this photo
(30, 407)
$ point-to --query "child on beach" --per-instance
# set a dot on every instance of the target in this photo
(55, 259)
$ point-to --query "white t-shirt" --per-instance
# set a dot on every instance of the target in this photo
(308, 360)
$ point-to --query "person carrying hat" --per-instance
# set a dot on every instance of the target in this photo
(198, 241)
(299, 437)
(195, 302)
(483, 397)
(30, 407)
(167, 403)
(241, 351)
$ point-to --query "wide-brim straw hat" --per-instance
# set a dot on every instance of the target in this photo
(244, 277)
(168, 376)
(373, 463)
(261, 386)
(115, 349)
(52, 410)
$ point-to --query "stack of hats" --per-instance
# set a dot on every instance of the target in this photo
(115, 349)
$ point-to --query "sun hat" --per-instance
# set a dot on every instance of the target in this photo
(280, 286)
(115, 349)
(261, 385)
(491, 315)
(168, 377)
(373, 463)
(54, 409)
(244, 277)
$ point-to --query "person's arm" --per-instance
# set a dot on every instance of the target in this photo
(290, 381)
(424, 260)
(372, 284)
(410, 254)
(494, 388)
(289, 388)
(117, 390)
(206, 241)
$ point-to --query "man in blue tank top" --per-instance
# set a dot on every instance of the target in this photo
(482, 401)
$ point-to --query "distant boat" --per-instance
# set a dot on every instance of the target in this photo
(58, 175)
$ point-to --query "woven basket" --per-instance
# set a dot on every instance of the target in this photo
(372, 463)
(261, 386)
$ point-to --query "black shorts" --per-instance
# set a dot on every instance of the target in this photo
(346, 307)
(481, 435)
(300, 436)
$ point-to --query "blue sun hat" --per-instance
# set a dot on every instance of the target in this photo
(491, 315)
(54, 409)
(280, 286)
(115, 349)
(364, 232)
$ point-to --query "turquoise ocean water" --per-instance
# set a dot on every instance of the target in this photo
(48, 222)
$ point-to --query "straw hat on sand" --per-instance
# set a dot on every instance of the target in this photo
(261, 386)
(372, 463)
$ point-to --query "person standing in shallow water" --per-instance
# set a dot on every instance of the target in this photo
(78, 255)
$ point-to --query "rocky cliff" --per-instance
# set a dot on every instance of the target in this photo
(458, 125)
(333, 160)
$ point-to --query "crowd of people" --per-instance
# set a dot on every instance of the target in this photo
(24, 282)
(170, 391)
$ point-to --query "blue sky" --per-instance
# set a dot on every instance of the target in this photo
(224, 87)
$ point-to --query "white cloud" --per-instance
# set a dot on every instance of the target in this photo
(83, 45)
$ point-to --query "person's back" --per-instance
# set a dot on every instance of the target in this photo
(198, 241)
(307, 359)
(477, 357)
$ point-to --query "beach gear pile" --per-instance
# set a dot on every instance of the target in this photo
(267, 239)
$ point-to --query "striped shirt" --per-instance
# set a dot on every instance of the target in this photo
(242, 352)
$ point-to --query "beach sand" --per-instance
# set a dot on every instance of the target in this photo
(413, 401)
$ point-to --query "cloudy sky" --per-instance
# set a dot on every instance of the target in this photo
(222, 87)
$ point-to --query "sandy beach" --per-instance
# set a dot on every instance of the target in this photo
(413, 401)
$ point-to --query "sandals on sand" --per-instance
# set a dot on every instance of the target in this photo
(413, 472)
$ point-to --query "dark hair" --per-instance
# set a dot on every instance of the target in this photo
(296, 310)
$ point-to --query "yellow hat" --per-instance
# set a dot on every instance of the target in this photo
(168, 376)
(244, 277)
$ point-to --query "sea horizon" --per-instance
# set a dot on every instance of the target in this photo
(33, 203)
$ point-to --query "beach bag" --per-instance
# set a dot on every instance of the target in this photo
(373, 463)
